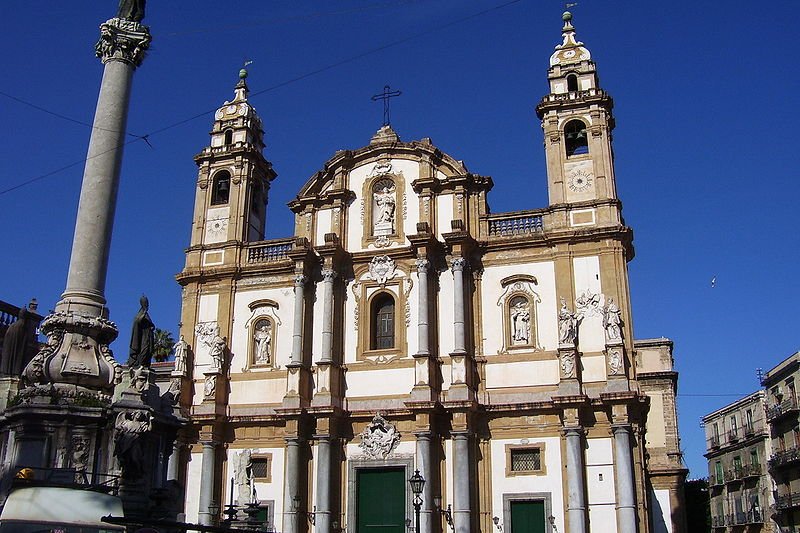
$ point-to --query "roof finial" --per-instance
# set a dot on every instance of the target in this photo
(241, 87)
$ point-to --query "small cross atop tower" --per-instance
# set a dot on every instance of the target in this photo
(385, 96)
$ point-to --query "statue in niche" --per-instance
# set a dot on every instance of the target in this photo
(18, 345)
(131, 10)
(612, 320)
(384, 207)
(181, 349)
(263, 342)
(142, 336)
(243, 477)
(567, 325)
(520, 320)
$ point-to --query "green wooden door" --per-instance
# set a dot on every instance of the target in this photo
(381, 500)
(527, 517)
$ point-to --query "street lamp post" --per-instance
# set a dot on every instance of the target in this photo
(417, 482)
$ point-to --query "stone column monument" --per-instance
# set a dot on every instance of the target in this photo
(79, 331)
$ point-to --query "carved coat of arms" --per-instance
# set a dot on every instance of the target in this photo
(382, 268)
(379, 438)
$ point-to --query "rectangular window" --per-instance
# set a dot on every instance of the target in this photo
(261, 466)
(525, 459)
(718, 470)
(753, 457)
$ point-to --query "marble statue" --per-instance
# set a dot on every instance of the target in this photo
(567, 325)
(379, 438)
(181, 349)
(131, 10)
(520, 322)
(263, 341)
(243, 477)
(612, 320)
(385, 204)
(17, 345)
(217, 346)
(142, 336)
(129, 431)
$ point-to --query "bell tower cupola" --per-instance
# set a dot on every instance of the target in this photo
(577, 122)
(233, 179)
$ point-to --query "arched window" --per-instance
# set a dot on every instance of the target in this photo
(572, 82)
(228, 137)
(576, 141)
(382, 322)
(221, 188)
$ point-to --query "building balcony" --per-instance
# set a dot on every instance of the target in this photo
(748, 471)
(269, 251)
(713, 442)
(718, 521)
(782, 409)
(784, 502)
(518, 223)
(733, 435)
(785, 457)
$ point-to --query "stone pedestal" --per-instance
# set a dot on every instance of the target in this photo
(569, 370)
(616, 366)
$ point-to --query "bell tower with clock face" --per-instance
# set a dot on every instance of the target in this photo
(233, 182)
(577, 122)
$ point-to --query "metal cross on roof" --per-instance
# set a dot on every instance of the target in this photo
(385, 96)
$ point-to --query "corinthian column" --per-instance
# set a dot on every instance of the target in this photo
(79, 332)
(299, 303)
(458, 265)
(328, 275)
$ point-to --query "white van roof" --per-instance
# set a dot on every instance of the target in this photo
(61, 505)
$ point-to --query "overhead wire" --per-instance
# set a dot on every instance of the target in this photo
(295, 79)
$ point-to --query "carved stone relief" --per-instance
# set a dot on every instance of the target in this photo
(382, 268)
(379, 438)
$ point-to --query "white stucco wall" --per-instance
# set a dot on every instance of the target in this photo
(207, 312)
(193, 475)
(377, 382)
(659, 503)
(444, 214)
(587, 280)
(600, 486)
(522, 374)
(406, 210)
(323, 226)
(550, 482)
(492, 309)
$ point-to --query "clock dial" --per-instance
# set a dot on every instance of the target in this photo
(579, 180)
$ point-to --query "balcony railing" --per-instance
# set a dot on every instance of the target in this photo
(749, 430)
(733, 435)
(713, 442)
(511, 224)
(780, 409)
(751, 470)
(753, 516)
(785, 457)
(717, 521)
(269, 251)
(787, 501)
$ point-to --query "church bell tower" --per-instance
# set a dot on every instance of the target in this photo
(577, 122)
(233, 182)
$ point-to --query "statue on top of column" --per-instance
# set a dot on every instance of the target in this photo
(131, 10)
(142, 336)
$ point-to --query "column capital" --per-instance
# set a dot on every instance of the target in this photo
(459, 264)
(300, 280)
(328, 275)
(422, 266)
(574, 431)
(123, 40)
(621, 428)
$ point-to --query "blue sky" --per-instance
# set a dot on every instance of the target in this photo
(706, 99)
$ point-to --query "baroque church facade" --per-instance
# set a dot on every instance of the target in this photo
(405, 327)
